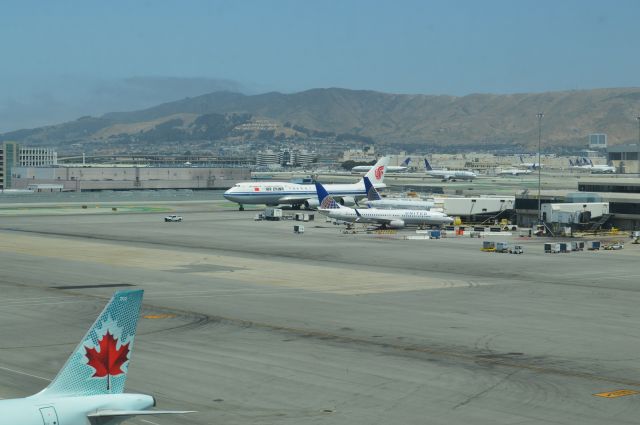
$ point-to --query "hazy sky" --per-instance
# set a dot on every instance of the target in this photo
(444, 47)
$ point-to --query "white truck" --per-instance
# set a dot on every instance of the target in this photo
(172, 218)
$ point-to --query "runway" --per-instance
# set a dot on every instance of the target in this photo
(248, 323)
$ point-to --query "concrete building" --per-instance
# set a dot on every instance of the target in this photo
(80, 178)
(622, 195)
(626, 158)
(267, 158)
(9, 158)
(38, 157)
(598, 141)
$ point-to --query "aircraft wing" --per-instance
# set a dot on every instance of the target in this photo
(105, 416)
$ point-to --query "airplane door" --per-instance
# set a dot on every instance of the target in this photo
(49, 416)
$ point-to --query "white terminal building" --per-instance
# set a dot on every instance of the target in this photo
(38, 157)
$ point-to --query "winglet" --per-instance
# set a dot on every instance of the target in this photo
(372, 193)
(90, 370)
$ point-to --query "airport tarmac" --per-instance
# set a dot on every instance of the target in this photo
(249, 323)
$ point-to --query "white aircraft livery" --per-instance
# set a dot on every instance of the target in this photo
(89, 388)
(451, 175)
(374, 200)
(298, 195)
(514, 172)
(587, 164)
(391, 218)
(390, 168)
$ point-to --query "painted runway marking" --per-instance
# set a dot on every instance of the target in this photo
(19, 372)
(159, 316)
(616, 393)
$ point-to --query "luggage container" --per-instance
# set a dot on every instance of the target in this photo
(273, 214)
(552, 248)
(488, 246)
(298, 229)
(593, 245)
(435, 234)
(502, 247)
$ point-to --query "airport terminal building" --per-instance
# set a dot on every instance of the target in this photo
(82, 178)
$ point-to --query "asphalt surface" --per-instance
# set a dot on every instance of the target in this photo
(249, 323)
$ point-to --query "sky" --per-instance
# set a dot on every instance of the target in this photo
(61, 52)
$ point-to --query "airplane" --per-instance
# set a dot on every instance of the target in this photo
(386, 218)
(390, 168)
(374, 200)
(449, 175)
(513, 172)
(530, 165)
(587, 164)
(299, 195)
(89, 389)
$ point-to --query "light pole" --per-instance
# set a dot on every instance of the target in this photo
(638, 118)
(539, 115)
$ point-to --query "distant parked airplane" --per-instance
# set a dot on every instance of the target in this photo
(374, 200)
(514, 172)
(530, 165)
(587, 164)
(390, 168)
(449, 175)
(303, 195)
(89, 388)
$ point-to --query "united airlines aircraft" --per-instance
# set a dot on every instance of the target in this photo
(303, 195)
(390, 218)
(89, 388)
(374, 200)
(449, 175)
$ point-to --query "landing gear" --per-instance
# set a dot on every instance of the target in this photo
(296, 207)
(241, 207)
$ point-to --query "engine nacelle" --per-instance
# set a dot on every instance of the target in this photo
(396, 224)
(347, 201)
(311, 204)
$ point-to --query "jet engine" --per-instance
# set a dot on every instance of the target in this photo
(347, 201)
(311, 204)
(396, 224)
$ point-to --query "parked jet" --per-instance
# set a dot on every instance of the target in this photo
(514, 172)
(388, 218)
(587, 164)
(299, 195)
(530, 165)
(374, 200)
(390, 168)
(449, 175)
(89, 388)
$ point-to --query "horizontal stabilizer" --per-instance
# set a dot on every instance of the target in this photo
(120, 413)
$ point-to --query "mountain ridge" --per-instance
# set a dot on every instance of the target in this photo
(413, 119)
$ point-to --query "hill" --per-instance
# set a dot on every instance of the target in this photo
(475, 121)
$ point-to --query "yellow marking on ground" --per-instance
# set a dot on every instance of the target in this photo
(617, 393)
(298, 275)
(159, 316)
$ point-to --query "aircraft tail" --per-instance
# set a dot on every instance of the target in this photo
(406, 162)
(570, 162)
(376, 173)
(427, 165)
(99, 364)
(372, 193)
(326, 201)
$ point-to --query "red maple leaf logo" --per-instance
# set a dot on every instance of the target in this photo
(109, 360)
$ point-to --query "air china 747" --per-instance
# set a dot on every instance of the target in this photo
(89, 388)
(304, 195)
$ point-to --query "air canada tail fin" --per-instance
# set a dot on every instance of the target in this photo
(372, 193)
(376, 173)
(427, 165)
(99, 364)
